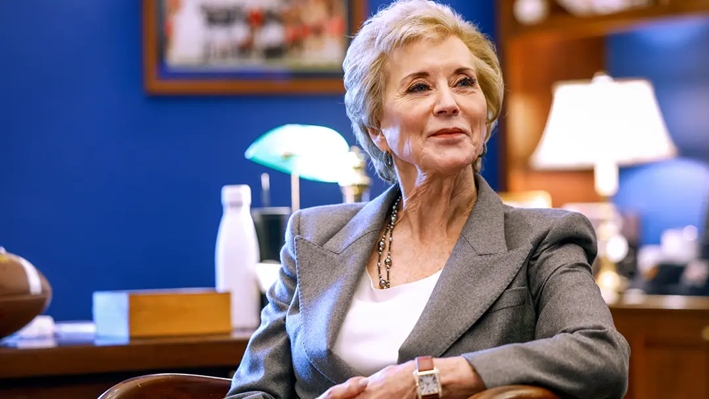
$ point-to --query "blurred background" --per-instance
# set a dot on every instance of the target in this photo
(107, 185)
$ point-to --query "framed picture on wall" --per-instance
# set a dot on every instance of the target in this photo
(203, 47)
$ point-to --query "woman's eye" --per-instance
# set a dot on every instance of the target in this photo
(418, 87)
(466, 82)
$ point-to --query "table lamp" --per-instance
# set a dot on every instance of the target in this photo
(310, 152)
(602, 124)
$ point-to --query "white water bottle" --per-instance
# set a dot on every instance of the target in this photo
(236, 255)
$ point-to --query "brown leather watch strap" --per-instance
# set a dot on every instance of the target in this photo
(424, 363)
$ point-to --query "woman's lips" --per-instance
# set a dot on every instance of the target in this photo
(443, 133)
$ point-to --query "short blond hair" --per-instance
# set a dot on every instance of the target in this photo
(401, 23)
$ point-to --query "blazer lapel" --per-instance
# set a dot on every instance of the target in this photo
(478, 270)
(327, 278)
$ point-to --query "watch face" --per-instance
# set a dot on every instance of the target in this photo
(428, 384)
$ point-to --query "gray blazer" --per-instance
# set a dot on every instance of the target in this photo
(516, 299)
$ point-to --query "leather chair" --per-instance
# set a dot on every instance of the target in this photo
(188, 386)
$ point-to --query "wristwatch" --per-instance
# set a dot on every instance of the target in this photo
(428, 382)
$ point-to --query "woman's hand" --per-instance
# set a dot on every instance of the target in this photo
(348, 389)
(392, 382)
(458, 379)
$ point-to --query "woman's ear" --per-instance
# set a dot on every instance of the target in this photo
(378, 139)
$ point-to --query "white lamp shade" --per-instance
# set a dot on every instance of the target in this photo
(603, 121)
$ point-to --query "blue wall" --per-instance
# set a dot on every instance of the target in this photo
(102, 187)
(674, 56)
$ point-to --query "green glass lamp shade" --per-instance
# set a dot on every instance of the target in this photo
(312, 152)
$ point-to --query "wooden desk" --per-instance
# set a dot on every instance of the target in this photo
(81, 366)
(668, 336)
(669, 343)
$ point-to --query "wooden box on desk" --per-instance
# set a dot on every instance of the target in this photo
(160, 313)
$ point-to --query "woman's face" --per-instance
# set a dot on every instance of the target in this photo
(434, 111)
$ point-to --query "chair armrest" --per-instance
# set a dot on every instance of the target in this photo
(169, 386)
(515, 392)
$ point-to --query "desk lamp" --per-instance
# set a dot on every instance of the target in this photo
(315, 153)
(602, 124)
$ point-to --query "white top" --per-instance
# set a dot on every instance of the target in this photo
(379, 321)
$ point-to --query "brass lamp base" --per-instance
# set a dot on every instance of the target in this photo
(609, 281)
(355, 193)
(356, 184)
(612, 247)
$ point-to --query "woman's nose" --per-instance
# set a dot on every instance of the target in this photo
(446, 103)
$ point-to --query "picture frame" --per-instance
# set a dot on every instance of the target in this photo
(230, 47)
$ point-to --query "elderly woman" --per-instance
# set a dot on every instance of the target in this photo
(435, 288)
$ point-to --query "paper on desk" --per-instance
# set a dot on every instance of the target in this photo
(40, 326)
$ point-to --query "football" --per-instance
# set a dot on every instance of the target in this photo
(24, 293)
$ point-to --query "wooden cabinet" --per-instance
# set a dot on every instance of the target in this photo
(669, 342)
(534, 57)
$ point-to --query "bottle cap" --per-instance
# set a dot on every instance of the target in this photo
(238, 194)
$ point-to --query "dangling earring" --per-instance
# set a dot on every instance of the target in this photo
(477, 164)
(388, 159)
